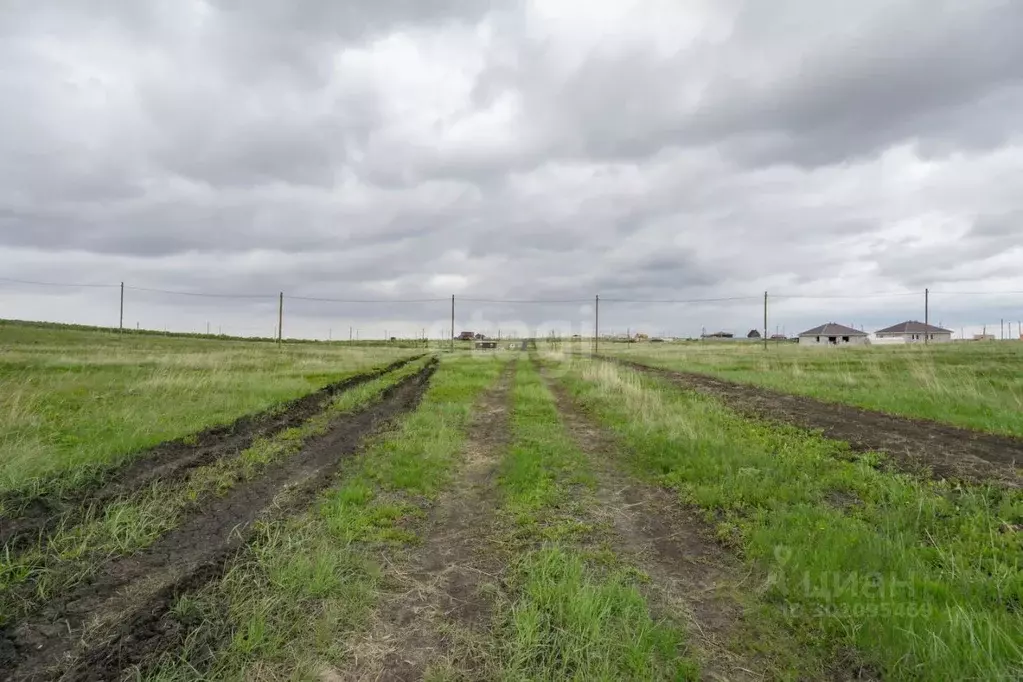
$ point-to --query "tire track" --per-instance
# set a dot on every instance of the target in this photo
(167, 462)
(111, 622)
(440, 583)
(918, 446)
(692, 575)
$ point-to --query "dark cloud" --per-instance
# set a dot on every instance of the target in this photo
(410, 149)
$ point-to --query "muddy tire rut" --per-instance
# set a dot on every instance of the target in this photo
(438, 586)
(111, 622)
(167, 462)
(916, 445)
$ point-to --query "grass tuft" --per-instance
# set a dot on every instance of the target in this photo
(571, 624)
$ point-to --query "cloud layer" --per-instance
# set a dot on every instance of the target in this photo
(405, 149)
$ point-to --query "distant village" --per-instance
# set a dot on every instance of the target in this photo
(827, 334)
(835, 334)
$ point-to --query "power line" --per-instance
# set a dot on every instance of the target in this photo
(469, 299)
(70, 285)
(376, 301)
(545, 301)
(977, 293)
(692, 300)
(826, 297)
(199, 294)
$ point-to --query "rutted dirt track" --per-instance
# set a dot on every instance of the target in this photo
(691, 573)
(916, 445)
(440, 583)
(103, 626)
(170, 461)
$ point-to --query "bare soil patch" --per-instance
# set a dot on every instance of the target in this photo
(167, 462)
(437, 588)
(115, 619)
(917, 446)
(692, 575)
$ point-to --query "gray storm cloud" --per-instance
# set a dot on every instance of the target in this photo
(526, 150)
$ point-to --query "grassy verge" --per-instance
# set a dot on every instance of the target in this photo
(133, 523)
(72, 400)
(572, 611)
(287, 607)
(922, 579)
(977, 386)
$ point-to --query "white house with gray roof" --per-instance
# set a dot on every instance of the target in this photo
(915, 332)
(833, 334)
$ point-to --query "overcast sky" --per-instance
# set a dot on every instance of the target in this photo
(415, 149)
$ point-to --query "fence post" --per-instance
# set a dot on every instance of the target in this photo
(927, 316)
(452, 322)
(120, 324)
(596, 324)
(765, 320)
(280, 319)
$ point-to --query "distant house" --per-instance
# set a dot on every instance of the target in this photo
(753, 334)
(466, 336)
(719, 335)
(833, 334)
(779, 337)
(915, 332)
(983, 337)
(486, 345)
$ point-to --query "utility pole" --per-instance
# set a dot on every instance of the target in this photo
(596, 324)
(207, 327)
(349, 336)
(120, 325)
(280, 319)
(927, 315)
(452, 322)
(1001, 332)
(765, 320)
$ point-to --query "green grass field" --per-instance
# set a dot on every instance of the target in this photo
(974, 385)
(526, 517)
(923, 579)
(70, 399)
